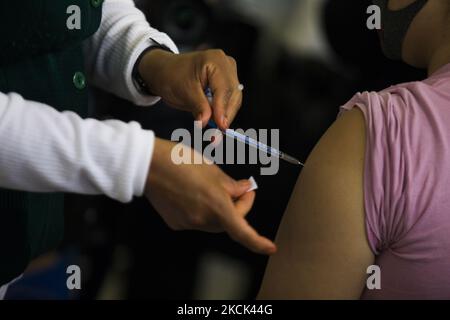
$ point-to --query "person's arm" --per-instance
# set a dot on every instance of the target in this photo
(43, 150)
(216, 201)
(323, 252)
(120, 46)
(112, 52)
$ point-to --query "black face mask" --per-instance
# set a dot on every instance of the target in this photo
(395, 25)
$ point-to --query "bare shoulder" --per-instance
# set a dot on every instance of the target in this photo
(342, 145)
(323, 251)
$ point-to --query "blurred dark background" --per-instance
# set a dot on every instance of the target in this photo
(299, 60)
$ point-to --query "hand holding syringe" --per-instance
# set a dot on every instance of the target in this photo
(252, 142)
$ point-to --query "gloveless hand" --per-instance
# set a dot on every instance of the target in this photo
(181, 80)
(202, 197)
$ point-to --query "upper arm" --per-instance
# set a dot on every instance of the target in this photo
(323, 248)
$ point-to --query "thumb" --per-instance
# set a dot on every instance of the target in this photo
(237, 188)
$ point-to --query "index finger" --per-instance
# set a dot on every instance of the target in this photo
(227, 92)
(240, 231)
(226, 102)
(234, 104)
(235, 101)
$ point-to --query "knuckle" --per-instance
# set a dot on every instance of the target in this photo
(216, 53)
(228, 93)
(197, 221)
(233, 61)
(233, 183)
(219, 52)
(227, 181)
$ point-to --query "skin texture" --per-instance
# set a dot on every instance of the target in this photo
(323, 252)
(322, 248)
(180, 81)
(198, 197)
(430, 29)
(202, 197)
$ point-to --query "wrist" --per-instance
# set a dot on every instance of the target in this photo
(150, 69)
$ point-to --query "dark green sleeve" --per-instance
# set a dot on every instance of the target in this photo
(35, 27)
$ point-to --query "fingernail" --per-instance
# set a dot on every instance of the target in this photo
(225, 121)
(272, 250)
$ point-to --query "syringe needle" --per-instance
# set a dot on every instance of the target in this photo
(291, 159)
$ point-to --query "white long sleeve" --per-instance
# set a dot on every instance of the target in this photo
(113, 50)
(43, 150)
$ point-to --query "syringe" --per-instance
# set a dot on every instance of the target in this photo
(257, 145)
(252, 142)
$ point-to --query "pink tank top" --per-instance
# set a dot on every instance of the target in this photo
(407, 186)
